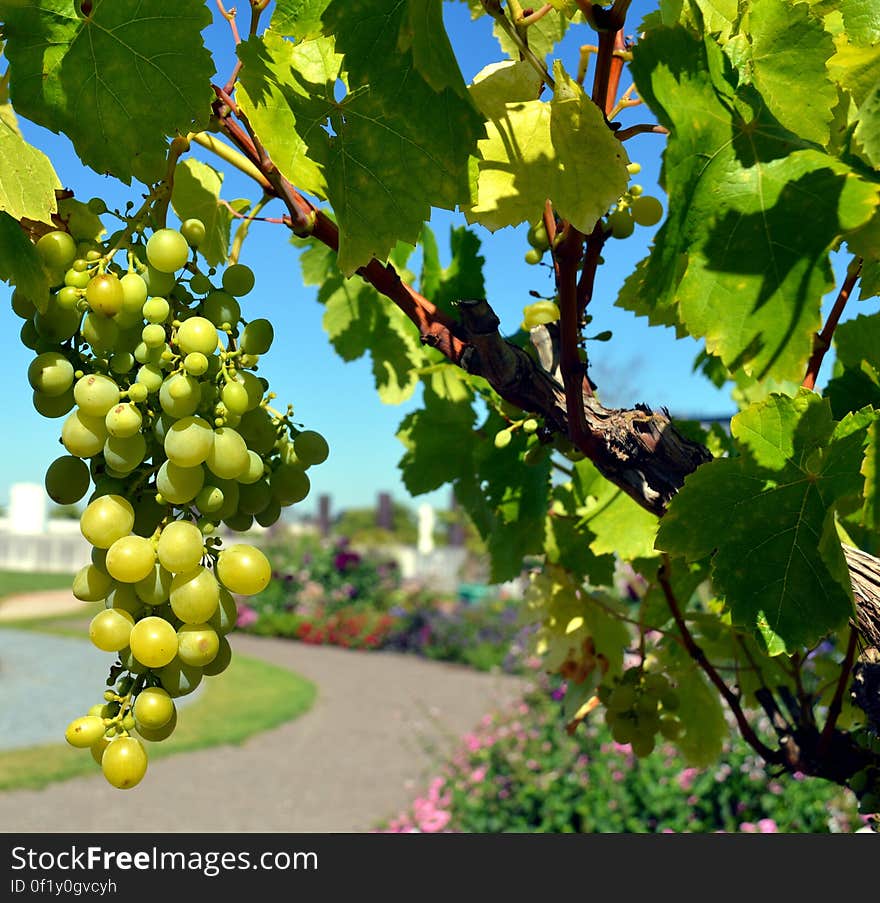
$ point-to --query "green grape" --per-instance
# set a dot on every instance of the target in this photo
(159, 283)
(131, 558)
(150, 377)
(178, 678)
(235, 397)
(95, 394)
(188, 441)
(123, 420)
(623, 730)
(254, 497)
(656, 683)
(226, 614)
(671, 727)
(134, 293)
(193, 230)
(110, 629)
(311, 447)
(122, 362)
(177, 484)
(197, 644)
(220, 661)
(167, 251)
(50, 373)
(259, 431)
(180, 547)
(57, 249)
(209, 499)
(635, 191)
(124, 762)
(29, 336)
(195, 595)
(195, 363)
(503, 438)
(124, 597)
(153, 335)
(100, 332)
(91, 585)
(255, 469)
(238, 279)
(537, 236)
(67, 480)
(153, 642)
(622, 698)
(197, 334)
(290, 484)
(228, 456)
(156, 310)
(22, 306)
(633, 168)
(256, 337)
(252, 386)
(646, 210)
(220, 307)
(540, 312)
(669, 700)
(646, 705)
(180, 395)
(85, 731)
(97, 206)
(155, 735)
(53, 406)
(123, 455)
(68, 297)
(201, 285)
(106, 519)
(155, 588)
(56, 325)
(138, 393)
(621, 224)
(533, 256)
(229, 490)
(243, 569)
(270, 514)
(83, 435)
(104, 294)
(643, 745)
(153, 708)
(239, 522)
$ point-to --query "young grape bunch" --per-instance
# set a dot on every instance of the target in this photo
(169, 436)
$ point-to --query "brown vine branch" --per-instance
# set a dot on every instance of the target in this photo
(822, 341)
(641, 129)
(697, 654)
(837, 702)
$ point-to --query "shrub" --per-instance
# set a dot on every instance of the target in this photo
(520, 771)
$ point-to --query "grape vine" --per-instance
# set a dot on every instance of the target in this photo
(747, 556)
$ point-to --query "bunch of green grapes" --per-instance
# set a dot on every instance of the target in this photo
(640, 704)
(539, 241)
(633, 209)
(169, 433)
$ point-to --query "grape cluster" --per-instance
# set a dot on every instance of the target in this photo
(633, 209)
(152, 366)
(638, 705)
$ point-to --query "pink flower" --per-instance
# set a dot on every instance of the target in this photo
(478, 774)
(767, 826)
(246, 616)
(617, 775)
(435, 822)
(687, 777)
(748, 827)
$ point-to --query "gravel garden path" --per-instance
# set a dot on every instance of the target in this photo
(360, 754)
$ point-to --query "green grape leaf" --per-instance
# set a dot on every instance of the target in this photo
(858, 340)
(82, 224)
(298, 18)
(7, 114)
(870, 513)
(116, 81)
(869, 281)
(27, 178)
(767, 518)
(537, 150)
(702, 718)
(428, 434)
(20, 263)
(196, 194)
(381, 161)
(789, 51)
(723, 265)
(868, 130)
(463, 278)
(617, 524)
(360, 321)
(543, 36)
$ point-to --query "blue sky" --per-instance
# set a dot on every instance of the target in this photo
(640, 364)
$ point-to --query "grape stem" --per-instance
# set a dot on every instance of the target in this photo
(822, 341)
(495, 10)
(641, 129)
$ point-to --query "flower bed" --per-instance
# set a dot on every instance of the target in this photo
(328, 593)
(521, 772)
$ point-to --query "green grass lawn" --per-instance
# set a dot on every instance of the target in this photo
(248, 697)
(14, 582)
